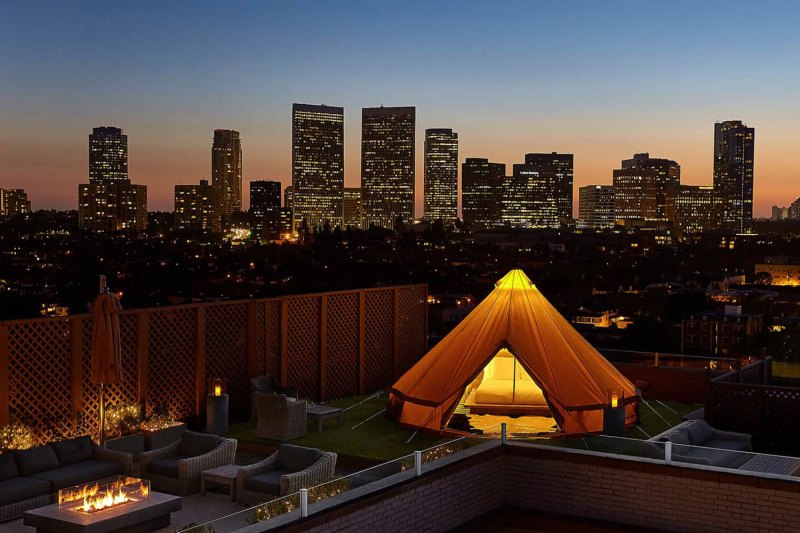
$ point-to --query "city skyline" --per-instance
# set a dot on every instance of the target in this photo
(569, 104)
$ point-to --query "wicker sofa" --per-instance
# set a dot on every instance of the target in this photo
(278, 417)
(267, 384)
(32, 478)
(694, 441)
(288, 470)
(176, 467)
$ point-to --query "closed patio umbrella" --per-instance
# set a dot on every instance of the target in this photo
(106, 351)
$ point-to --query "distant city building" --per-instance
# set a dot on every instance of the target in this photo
(14, 202)
(539, 192)
(318, 163)
(635, 192)
(794, 210)
(387, 165)
(734, 146)
(196, 207)
(351, 207)
(667, 176)
(725, 334)
(441, 175)
(110, 202)
(481, 193)
(779, 270)
(596, 207)
(265, 209)
(694, 208)
(226, 170)
(780, 213)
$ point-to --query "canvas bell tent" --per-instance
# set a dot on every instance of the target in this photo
(513, 355)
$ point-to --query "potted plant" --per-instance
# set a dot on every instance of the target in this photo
(161, 428)
(123, 423)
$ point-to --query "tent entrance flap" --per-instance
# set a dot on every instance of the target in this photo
(505, 387)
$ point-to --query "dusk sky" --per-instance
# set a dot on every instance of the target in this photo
(601, 80)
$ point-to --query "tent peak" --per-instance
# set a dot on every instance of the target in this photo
(515, 279)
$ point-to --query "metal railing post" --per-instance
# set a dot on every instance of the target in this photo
(417, 464)
(503, 434)
(668, 453)
(303, 503)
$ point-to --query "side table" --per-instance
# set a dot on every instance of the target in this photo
(221, 475)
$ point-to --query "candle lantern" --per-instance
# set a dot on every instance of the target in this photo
(217, 406)
(614, 415)
(217, 387)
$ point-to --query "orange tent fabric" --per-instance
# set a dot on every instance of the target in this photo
(576, 380)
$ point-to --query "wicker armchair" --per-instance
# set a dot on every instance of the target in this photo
(269, 385)
(279, 418)
(177, 466)
(284, 472)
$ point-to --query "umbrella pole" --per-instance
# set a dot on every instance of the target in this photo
(102, 415)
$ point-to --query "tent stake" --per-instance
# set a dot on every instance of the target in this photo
(411, 437)
(368, 419)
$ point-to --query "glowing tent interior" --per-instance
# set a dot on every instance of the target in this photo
(513, 355)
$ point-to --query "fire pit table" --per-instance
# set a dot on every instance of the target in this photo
(118, 504)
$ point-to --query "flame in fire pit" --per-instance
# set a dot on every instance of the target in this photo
(93, 498)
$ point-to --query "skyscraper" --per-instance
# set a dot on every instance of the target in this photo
(387, 165)
(734, 146)
(635, 192)
(539, 192)
(110, 202)
(596, 207)
(14, 202)
(197, 207)
(696, 208)
(226, 170)
(351, 207)
(265, 209)
(481, 192)
(318, 163)
(441, 175)
(667, 176)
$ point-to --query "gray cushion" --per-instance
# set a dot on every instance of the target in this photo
(8, 467)
(194, 444)
(295, 458)
(22, 488)
(699, 432)
(35, 460)
(268, 482)
(167, 467)
(73, 450)
(737, 445)
(677, 436)
(718, 457)
(77, 473)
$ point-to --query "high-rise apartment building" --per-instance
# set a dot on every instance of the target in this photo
(667, 176)
(635, 192)
(441, 175)
(226, 170)
(110, 202)
(351, 207)
(318, 163)
(734, 147)
(696, 208)
(596, 207)
(539, 192)
(14, 202)
(265, 209)
(481, 193)
(197, 207)
(387, 165)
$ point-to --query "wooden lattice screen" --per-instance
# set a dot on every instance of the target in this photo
(328, 345)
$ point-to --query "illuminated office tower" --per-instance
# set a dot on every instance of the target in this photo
(538, 194)
(351, 207)
(108, 155)
(197, 208)
(441, 175)
(318, 164)
(14, 202)
(387, 165)
(481, 193)
(667, 176)
(635, 192)
(265, 209)
(596, 207)
(226, 170)
(696, 208)
(110, 202)
(734, 146)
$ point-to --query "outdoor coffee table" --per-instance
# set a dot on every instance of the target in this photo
(222, 475)
(771, 464)
(133, 517)
(322, 412)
